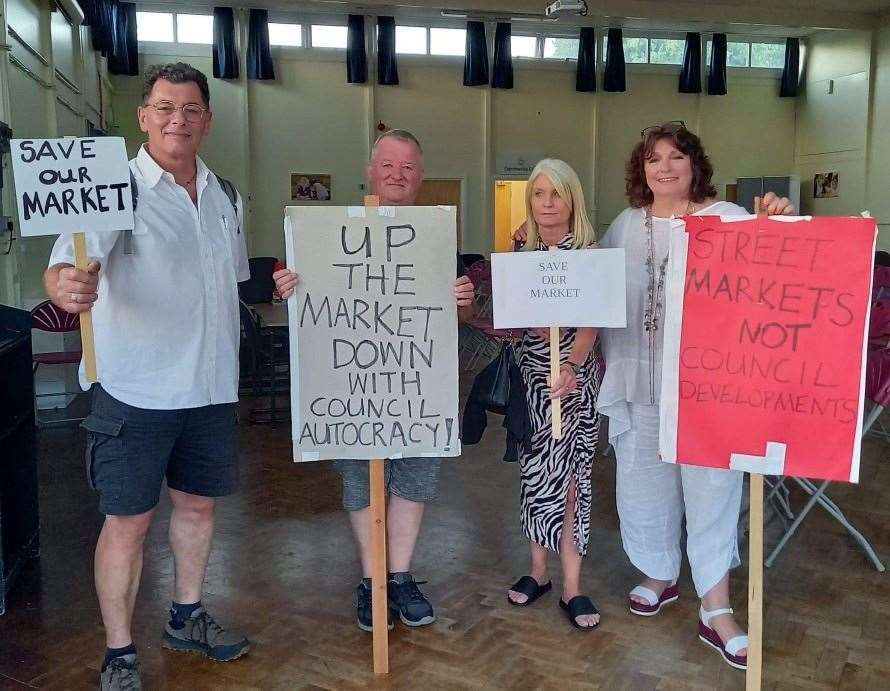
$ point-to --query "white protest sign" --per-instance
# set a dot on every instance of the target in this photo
(72, 185)
(559, 288)
(373, 327)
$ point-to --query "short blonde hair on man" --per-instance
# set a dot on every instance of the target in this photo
(565, 180)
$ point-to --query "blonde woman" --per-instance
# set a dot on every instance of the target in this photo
(555, 473)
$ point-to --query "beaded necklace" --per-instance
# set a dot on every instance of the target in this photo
(655, 296)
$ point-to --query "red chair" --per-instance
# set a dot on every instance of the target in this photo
(480, 274)
(47, 317)
(877, 378)
(482, 339)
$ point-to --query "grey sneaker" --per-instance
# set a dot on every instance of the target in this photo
(201, 634)
(121, 674)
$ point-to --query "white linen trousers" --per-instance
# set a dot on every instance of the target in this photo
(653, 496)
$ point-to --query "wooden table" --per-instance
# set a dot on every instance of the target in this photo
(273, 315)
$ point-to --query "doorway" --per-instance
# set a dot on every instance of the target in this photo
(509, 212)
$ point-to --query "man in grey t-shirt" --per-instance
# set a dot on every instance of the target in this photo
(395, 174)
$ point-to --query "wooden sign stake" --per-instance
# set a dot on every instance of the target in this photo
(555, 403)
(755, 567)
(379, 604)
(755, 584)
(81, 261)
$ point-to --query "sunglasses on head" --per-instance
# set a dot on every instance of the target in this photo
(671, 126)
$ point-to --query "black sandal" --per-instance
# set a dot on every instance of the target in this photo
(529, 587)
(579, 606)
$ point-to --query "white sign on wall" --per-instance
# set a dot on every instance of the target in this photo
(373, 327)
(72, 185)
(559, 288)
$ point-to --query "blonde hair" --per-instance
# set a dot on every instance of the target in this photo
(565, 180)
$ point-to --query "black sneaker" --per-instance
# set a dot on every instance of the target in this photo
(406, 599)
(363, 607)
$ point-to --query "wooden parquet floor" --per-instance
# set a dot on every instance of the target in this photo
(284, 570)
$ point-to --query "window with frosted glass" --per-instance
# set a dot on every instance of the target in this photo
(768, 55)
(523, 46)
(285, 35)
(325, 36)
(194, 28)
(561, 48)
(447, 41)
(666, 51)
(154, 26)
(411, 40)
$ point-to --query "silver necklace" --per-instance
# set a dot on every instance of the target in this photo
(655, 295)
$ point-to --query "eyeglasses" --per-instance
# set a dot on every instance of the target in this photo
(192, 112)
(671, 126)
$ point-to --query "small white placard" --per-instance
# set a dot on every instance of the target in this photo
(72, 185)
(559, 288)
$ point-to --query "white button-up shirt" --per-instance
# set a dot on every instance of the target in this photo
(166, 321)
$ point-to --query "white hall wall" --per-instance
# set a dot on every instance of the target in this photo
(310, 120)
(51, 84)
(877, 188)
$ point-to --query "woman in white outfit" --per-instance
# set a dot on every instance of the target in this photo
(668, 175)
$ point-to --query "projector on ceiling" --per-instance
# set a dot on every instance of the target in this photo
(566, 7)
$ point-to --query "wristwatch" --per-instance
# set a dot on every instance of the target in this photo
(572, 366)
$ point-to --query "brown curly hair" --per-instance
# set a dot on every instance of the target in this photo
(636, 188)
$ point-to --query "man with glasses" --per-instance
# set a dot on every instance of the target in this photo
(167, 361)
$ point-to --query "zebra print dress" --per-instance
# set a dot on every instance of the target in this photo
(548, 465)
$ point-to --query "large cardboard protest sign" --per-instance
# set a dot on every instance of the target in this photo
(373, 327)
(72, 185)
(559, 288)
(764, 344)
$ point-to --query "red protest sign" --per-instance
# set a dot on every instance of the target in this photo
(764, 352)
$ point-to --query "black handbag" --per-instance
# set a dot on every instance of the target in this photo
(498, 388)
(494, 384)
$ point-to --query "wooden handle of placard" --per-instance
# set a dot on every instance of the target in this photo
(379, 604)
(755, 584)
(378, 568)
(555, 403)
(88, 343)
